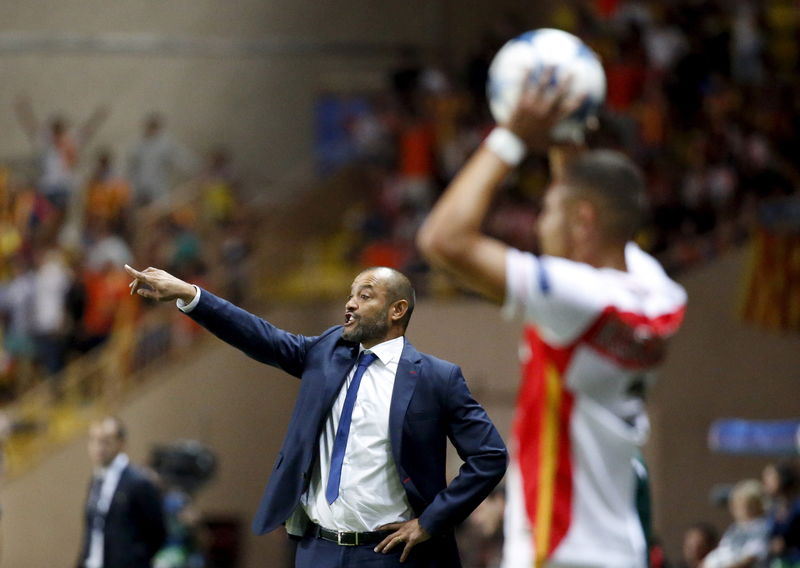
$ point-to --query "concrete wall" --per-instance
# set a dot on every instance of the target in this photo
(241, 73)
(244, 74)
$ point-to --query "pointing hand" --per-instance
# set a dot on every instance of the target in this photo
(157, 284)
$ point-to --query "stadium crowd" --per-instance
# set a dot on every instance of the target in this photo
(702, 94)
(70, 221)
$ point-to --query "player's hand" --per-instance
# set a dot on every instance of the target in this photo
(541, 106)
(157, 284)
(408, 534)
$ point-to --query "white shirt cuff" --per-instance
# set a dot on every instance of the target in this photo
(186, 308)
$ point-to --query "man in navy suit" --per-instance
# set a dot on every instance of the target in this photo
(124, 517)
(360, 478)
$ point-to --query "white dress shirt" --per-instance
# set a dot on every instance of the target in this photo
(370, 492)
(110, 475)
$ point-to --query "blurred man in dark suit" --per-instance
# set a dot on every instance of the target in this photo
(124, 518)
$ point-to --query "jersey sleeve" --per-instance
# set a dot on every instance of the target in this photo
(560, 297)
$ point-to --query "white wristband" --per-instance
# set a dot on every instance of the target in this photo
(506, 145)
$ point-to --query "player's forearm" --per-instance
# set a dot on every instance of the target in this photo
(454, 224)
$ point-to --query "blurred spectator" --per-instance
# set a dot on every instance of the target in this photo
(698, 541)
(52, 282)
(405, 78)
(108, 195)
(664, 41)
(59, 149)
(373, 129)
(744, 543)
(416, 167)
(106, 247)
(782, 485)
(182, 548)
(747, 44)
(234, 250)
(155, 161)
(218, 187)
(625, 72)
(107, 302)
(123, 520)
(16, 306)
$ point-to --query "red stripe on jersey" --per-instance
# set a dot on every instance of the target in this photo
(541, 429)
(632, 340)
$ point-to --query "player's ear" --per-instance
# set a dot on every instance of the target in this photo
(584, 219)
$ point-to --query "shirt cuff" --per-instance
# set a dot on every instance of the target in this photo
(186, 308)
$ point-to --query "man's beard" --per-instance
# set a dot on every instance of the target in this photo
(367, 329)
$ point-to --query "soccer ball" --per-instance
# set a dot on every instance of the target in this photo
(527, 56)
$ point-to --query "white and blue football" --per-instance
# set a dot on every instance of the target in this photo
(527, 56)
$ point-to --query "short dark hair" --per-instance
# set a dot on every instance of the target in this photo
(615, 184)
(788, 478)
(709, 532)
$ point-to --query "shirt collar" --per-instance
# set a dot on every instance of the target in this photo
(388, 351)
(117, 464)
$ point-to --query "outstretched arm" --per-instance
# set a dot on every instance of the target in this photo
(252, 335)
(89, 128)
(451, 237)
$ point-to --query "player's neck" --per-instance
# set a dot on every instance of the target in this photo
(611, 256)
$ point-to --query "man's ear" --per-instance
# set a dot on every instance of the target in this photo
(398, 310)
(584, 220)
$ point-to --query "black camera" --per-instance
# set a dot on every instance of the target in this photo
(185, 464)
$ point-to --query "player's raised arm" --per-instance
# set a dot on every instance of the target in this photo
(451, 237)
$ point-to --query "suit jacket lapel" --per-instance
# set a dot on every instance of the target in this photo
(344, 357)
(405, 382)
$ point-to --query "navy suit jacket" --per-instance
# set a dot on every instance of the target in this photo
(134, 528)
(430, 404)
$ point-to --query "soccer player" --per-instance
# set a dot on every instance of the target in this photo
(598, 313)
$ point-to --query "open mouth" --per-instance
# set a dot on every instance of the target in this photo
(349, 319)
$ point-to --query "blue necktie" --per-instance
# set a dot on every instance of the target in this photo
(340, 442)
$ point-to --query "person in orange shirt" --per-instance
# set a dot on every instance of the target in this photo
(107, 301)
(108, 196)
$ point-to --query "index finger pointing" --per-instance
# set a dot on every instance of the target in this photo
(132, 271)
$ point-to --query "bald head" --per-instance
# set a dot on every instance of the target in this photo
(398, 287)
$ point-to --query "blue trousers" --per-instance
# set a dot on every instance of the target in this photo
(314, 552)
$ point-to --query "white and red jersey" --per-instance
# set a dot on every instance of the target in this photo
(591, 341)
